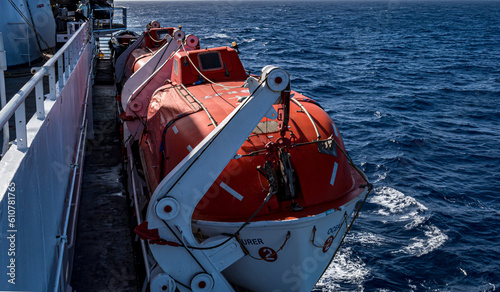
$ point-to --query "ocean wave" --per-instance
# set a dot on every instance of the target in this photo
(415, 220)
(434, 238)
(216, 36)
(249, 40)
(345, 268)
(394, 206)
(393, 201)
(368, 238)
(380, 177)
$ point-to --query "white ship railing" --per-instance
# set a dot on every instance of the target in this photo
(64, 60)
(67, 71)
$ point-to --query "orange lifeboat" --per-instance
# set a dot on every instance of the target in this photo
(287, 196)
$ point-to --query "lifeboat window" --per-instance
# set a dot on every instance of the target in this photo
(210, 61)
(176, 67)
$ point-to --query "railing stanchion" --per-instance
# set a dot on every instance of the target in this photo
(71, 57)
(52, 83)
(40, 109)
(60, 74)
(21, 136)
(66, 65)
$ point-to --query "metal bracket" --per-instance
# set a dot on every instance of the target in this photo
(328, 147)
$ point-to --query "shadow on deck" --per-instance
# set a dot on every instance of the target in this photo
(104, 256)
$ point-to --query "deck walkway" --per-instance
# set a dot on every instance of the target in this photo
(104, 258)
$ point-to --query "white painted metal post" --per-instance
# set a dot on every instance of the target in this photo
(40, 110)
(71, 58)
(3, 96)
(66, 65)
(22, 138)
(60, 73)
(72, 53)
(52, 83)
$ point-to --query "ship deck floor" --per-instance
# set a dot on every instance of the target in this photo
(104, 257)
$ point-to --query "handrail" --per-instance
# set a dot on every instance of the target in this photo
(69, 55)
(318, 136)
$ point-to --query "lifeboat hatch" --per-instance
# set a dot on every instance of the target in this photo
(217, 64)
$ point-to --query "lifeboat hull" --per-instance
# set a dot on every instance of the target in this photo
(286, 255)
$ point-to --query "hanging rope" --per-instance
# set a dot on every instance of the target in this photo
(220, 96)
(156, 41)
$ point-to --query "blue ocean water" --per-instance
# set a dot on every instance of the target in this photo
(415, 89)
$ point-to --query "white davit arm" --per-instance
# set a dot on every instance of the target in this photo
(139, 79)
(171, 207)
